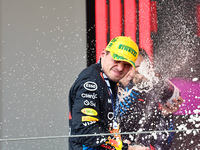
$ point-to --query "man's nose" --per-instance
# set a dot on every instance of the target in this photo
(120, 66)
(132, 73)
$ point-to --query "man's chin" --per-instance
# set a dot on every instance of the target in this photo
(116, 79)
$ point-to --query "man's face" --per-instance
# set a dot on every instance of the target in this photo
(128, 77)
(133, 73)
(114, 70)
(137, 77)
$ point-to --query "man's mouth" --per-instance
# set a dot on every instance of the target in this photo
(116, 72)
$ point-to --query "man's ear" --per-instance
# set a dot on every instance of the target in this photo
(103, 53)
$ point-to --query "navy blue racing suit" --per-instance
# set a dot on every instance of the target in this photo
(91, 109)
(138, 113)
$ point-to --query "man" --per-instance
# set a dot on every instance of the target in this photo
(93, 98)
(142, 110)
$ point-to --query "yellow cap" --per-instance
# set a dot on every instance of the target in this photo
(123, 48)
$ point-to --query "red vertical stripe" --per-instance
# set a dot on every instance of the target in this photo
(100, 26)
(145, 26)
(115, 18)
(70, 116)
(154, 27)
(198, 20)
(130, 21)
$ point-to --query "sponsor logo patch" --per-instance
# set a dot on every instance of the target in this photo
(110, 115)
(89, 118)
(85, 95)
(127, 48)
(89, 103)
(90, 86)
(88, 123)
(89, 111)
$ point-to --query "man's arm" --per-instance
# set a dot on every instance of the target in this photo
(86, 113)
(166, 122)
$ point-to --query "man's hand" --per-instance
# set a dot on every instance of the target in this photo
(169, 108)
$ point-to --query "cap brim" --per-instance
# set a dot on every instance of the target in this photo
(121, 58)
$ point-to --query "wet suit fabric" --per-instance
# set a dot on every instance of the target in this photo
(91, 110)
